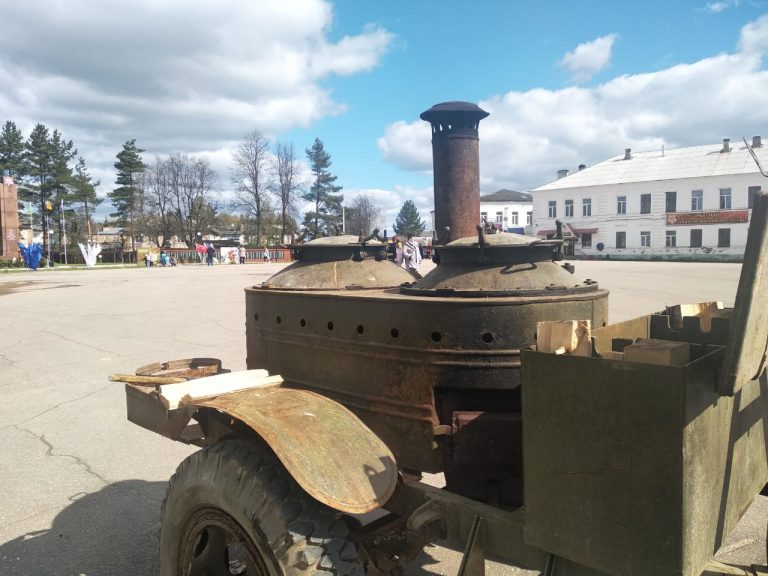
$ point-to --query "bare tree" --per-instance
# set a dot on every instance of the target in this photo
(157, 220)
(193, 198)
(363, 216)
(287, 185)
(252, 178)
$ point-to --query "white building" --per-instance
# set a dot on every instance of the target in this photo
(688, 203)
(508, 210)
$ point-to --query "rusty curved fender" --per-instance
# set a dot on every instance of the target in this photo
(331, 454)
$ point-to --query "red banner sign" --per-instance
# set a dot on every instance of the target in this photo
(719, 217)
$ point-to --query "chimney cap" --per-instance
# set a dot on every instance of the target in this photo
(562, 173)
(439, 111)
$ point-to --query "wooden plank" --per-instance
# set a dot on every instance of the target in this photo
(661, 352)
(146, 380)
(175, 395)
(565, 337)
(704, 310)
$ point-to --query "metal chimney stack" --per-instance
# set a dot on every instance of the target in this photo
(456, 167)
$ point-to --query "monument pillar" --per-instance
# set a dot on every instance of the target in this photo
(9, 219)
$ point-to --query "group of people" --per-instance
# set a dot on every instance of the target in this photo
(162, 259)
(406, 254)
(210, 254)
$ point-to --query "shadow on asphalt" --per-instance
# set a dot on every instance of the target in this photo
(111, 532)
(108, 533)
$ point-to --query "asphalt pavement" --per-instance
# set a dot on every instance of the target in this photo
(80, 486)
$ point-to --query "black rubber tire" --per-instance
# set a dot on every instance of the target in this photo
(242, 486)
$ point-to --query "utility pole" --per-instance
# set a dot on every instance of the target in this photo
(64, 230)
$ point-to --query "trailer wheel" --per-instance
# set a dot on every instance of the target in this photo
(233, 509)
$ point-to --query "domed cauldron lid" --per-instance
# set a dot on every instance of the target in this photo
(500, 264)
(340, 263)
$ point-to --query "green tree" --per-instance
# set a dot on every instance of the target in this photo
(326, 218)
(408, 220)
(83, 191)
(62, 153)
(47, 173)
(125, 198)
(12, 151)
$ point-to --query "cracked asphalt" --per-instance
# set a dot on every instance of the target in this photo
(81, 487)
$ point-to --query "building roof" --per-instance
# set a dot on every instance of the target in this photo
(694, 162)
(109, 232)
(504, 195)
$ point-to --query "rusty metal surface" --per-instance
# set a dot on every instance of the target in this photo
(503, 534)
(330, 453)
(144, 408)
(456, 167)
(384, 354)
(500, 265)
(339, 263)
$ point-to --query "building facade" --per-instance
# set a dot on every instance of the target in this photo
(9, 219)
(508, 210)
(683, 204)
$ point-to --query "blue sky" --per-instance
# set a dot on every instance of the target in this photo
(565, 82)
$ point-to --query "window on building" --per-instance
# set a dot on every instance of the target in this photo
(671, 238)
(528, 218)
(645, 203)
(697, 200)
(514, 218)
(586, 240)
(751, 192)
(569, 208)
(621, 205)
(725, 198)
(499, 217)
(696, 238)
(586, 207)
(671, 201)
(723, 237)
(645, 239)
(621, 239)
(484, 216)
(553, 208)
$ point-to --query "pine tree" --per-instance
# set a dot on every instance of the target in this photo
(47, 173)
(38, 165)
(408, 220)
(12, 151)
(84, 192)
(125, 197)
(326, 218)
(62, 153)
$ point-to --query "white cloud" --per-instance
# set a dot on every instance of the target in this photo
(530, 135)
(178, 75)
(589, 58)
(718, 7)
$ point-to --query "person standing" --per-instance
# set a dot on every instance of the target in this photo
(398, 244)
(267, 257)
(412, 256)
(210, 253)
(241, 254)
